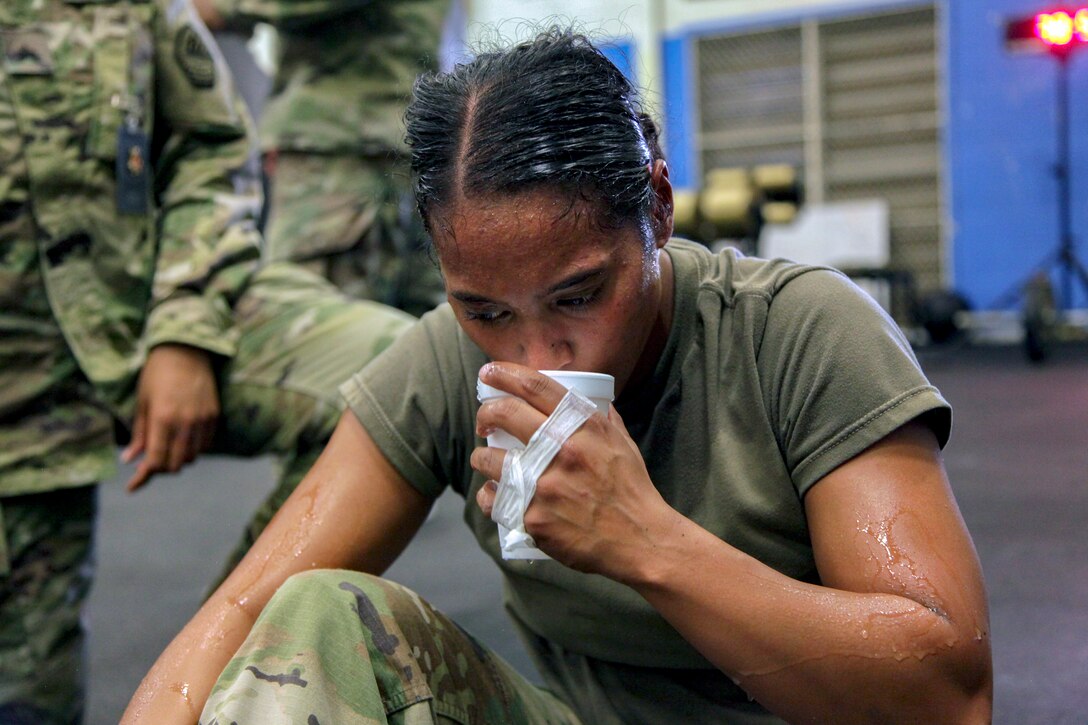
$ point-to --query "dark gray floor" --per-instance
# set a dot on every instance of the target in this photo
(158, 549)
(1018, 460)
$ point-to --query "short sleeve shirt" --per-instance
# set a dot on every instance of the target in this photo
(773, 375)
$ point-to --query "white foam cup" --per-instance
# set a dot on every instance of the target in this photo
(598, 387)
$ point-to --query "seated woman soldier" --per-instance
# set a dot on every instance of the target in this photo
(760, 530)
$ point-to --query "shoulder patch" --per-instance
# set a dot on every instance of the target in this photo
(26, 52)
(194, 58)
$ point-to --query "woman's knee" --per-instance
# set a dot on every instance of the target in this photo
(374, 602)
(318, 584)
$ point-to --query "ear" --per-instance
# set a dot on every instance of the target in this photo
(661, 209)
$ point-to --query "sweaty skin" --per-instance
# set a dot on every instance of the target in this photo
(860, 647)
(898, 630)
(352, 511)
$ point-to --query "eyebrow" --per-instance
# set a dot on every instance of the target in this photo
(574, 280)
(470, 299)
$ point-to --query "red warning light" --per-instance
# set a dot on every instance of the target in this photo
(1059, 30)
(1054, 28)
(1080, 25)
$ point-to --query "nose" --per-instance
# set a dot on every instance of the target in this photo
(547, 353)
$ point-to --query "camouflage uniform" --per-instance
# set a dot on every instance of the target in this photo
(349, 648)
(124, 225)
(333, 136)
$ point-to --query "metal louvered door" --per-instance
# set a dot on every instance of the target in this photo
(751, 99)
(851, 102)
(881, 129)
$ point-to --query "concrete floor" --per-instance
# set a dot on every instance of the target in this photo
(1018, 461)
(158, 549)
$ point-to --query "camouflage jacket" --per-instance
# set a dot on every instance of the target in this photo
(125, 221)
(163, 269)
(346, 68)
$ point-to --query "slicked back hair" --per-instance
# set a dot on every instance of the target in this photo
(552, 112)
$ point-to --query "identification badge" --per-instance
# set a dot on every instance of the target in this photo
(133, 170)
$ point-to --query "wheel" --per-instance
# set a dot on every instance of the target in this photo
(939, 313)
(1040, 318)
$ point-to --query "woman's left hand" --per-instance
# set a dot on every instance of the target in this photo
(595, 508)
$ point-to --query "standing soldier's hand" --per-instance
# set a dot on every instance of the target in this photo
(177, 410)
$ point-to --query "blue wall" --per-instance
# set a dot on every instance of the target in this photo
(1000, 142)
(680, 111)
(622, 53)
(1001, 149)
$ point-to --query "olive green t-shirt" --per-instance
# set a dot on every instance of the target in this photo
(773, 375)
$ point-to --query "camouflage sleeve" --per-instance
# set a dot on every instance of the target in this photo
(286, 14)
(208, 201)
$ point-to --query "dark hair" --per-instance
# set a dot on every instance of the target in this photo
(549, 112)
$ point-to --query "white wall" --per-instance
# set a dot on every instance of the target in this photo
(680, 13)
(639, 22)
(644, 22)
(671, 15)
(612, 17)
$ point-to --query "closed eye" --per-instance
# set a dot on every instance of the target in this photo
(486, 316)
(579, 301)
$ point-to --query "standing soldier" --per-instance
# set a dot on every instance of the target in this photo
(130, 298)
(333, 139)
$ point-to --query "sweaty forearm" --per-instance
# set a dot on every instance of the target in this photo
(351, 511)
(179, 683)
(175, 689)
(806, 651)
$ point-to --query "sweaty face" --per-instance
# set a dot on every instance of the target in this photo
(534, 280)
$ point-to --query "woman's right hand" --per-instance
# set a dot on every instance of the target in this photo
(595, 508)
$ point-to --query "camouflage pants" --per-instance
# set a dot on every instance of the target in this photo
(352, 219)
(299, 339)
(49, 538)
(344, 648)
